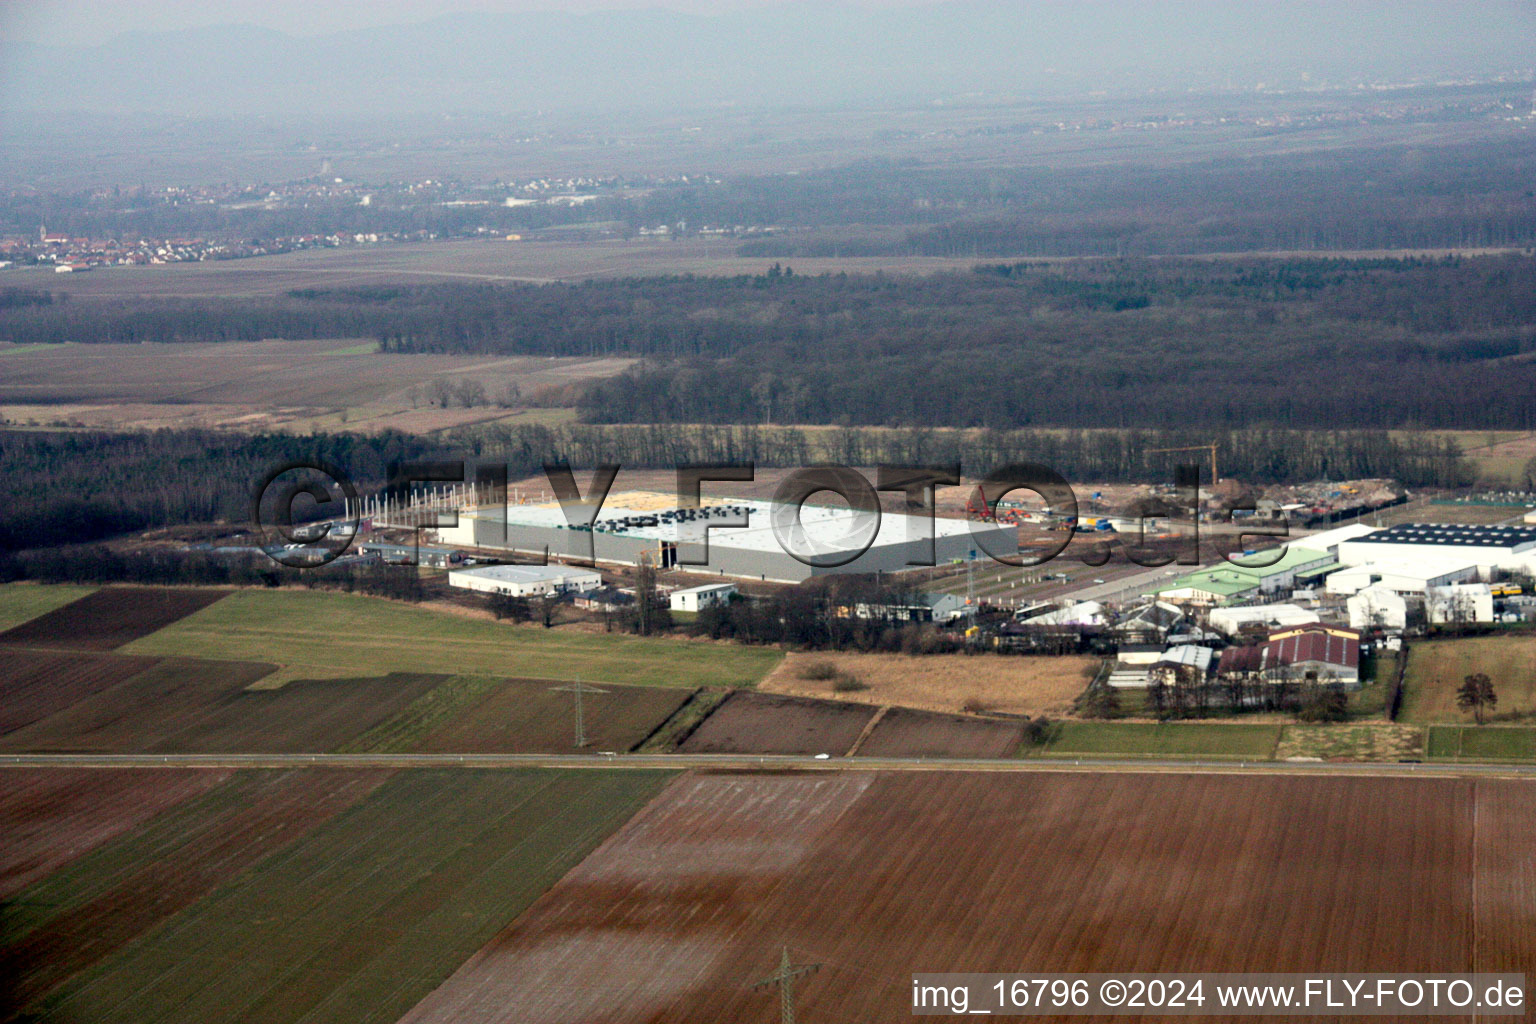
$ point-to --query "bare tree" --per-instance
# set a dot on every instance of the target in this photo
(546, 609)
(651, 615)
(470, 393)
(510, 396)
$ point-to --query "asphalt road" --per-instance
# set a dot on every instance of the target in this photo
(753, 761)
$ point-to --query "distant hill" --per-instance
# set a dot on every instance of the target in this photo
(811, 53)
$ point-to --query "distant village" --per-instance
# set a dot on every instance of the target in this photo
(370, 206)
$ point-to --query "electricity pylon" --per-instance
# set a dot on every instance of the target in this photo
(784, 978)
(577, 689)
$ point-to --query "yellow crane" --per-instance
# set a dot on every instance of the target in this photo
(1215, 479)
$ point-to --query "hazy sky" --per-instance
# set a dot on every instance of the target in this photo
(87, 22)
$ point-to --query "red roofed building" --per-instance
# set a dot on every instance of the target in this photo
(1241, 661)
(1325, 652)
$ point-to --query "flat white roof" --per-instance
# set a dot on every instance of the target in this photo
(1285, 614)
(1328, 538)
(820, 530)
(525, 573)
(708, 588)
(1426, 568)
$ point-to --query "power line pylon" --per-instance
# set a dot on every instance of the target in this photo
(784, 978)
(578, 689)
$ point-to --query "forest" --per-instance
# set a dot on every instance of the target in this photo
(1176, 343)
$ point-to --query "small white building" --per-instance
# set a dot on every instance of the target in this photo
(1230, 621)
(1462, 602)
(526, 580)
(1377, 607)
(696, 599)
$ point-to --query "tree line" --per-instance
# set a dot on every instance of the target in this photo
(71, 487)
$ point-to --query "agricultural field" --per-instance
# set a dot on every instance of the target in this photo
(902, 732)
(764, 723)
(1249, 741)
(320, 635)
(944, 682)
(327, 383)
(177, 705)
(22, 601)
(51, 816)
(875, 875)
(316, 895)
(109, 618)
(527, 716)
(169, 706)
(531, 260)
(100, 901)
(1437, 667)
(37, 684)
(1488, 743)
(1499, 456)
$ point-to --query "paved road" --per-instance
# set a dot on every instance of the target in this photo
(766, 761)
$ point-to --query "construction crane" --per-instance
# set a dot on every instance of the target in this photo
(1215, 478)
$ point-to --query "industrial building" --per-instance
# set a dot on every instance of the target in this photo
(1409, 576)
(406, 554)
(1490, 548)
(1323, 652)
(1231, 621)
(526, 580)
(1232, 580)
(711, 539)
(1328, 541)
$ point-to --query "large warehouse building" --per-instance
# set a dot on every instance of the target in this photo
(1510, 548)
(764, 549)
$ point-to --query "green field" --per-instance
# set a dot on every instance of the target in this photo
(319, 635)
(20, 602)
(1164, 739)
(360, 918)
(1437, 667)
(1490, 743)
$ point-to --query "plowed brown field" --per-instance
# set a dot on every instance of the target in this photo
(36, 684)
(167, 707)
(769, 723)
(531, 716)
(903, 732)
(877, 876)
(110, 617)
